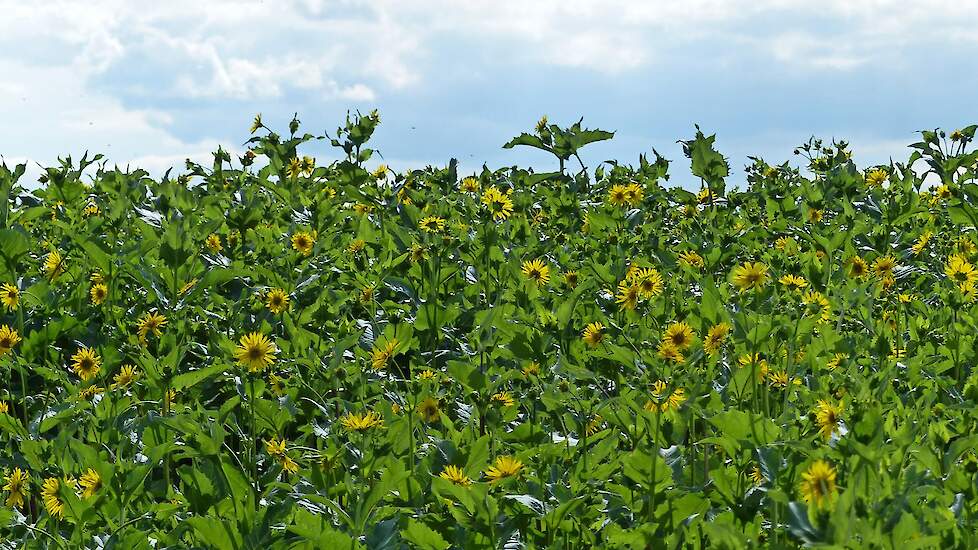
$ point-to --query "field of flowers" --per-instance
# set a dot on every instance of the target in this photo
(270, 352)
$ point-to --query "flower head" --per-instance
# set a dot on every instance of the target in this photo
(86, 363)
(90, 482)
(455, 475)
(9, 296)
(8, 339)
(17, 486)
(750, 275)
(818, 484)
(277, 301)
(505, 466)
(353, 422)
(593, 334)
(536, 271)
(255, 351)
(303, 242)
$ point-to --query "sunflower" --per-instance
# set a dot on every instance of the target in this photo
(836, 360)
(788, 245)
(571, 278)
(294, 168)
(277, 301)
(679, 335)
(151, 323)
(255, 351)
(90, 483)
(875, 178)
(818, 484)
(628, 295)
(8, 339)
(649, 282)
(303, 242)
(750, 275)
(960, 271)
(499, 204)
(276, 449)
(432, 224)
(883, 267)
(187, 286)
(858, 268)
(356, 246)
(504, 399)
(662, 400)
(715, 338)
(593, 334)
(91, 391)
(793, 282)
(353, 422)
(86, 363)
(125, 377)
(417, 253)
(381, 355)
(817, 305)
(531, 369)
(9, 296)
(18, 483)
(691, 259)
(429, 411)
(537, 271)
(470, 185)
(213, 243)
(53, 265)
(308, 164)
(754, 361)
(455, 475)
(634, 194)
(669, 352)
(756, 476)
(618, 195)
(256, 124)
(50, 493)
(505, 466)
(922, 241)
(827, 417)
(4, 407)
(98, 293)
(780, 379)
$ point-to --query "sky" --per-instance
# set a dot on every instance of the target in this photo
(150, 84)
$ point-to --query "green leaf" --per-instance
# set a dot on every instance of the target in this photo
(424, 537)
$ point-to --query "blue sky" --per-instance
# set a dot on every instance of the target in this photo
(152, 83)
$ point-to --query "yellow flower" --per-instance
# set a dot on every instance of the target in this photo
(628, 295)
(98, 293)
(669, 352)
(8, 339)
(4, 407)
(362, 422)
(277, 301)
(499, 204)
(756, 476)
(691, 259)
(531, 369)
(126, 376)
(593, 334)
(53, 265)
(429, 411)
(186, 287)
(537, 271)
(875, 178)
(649, 282)
(858, 267)
(504, 399)
(86, 363)
(91, 391)
(432, 224)
(294, 168)
(883, 267)
(255, 351)
(835, 361)
(679, 335)
(303, 242)
(256, 124)
(90, 483)
(827, 417)
(715, 338)
(922, 241)
(756, 362)
(750, 275)
(571, 279)
(52, 499)
(818, 484)
(663, 400)
(213, 243)
(276, 449)
(18, 484)
(380, 356)
(355, 246)
(817, 305)
(634, 194)
(470, 185)
(151, 323)
(455, 475)
(505, 466)
(960, 271)
(787, 245)
(307, 165)
(793, 282)
(618, 195)
(9, 296)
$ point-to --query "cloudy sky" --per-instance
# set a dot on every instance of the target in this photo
(152, 83)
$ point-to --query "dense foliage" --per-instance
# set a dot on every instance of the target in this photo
(272, 353)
